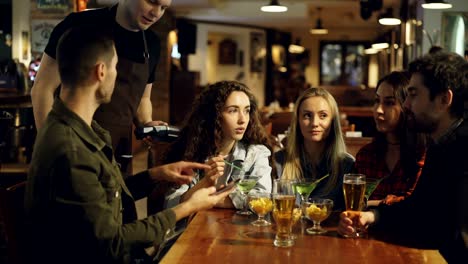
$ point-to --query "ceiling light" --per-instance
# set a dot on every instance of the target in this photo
(436, 4)
(274, 7)
(319, 30)
(388, 19)
(382, 42)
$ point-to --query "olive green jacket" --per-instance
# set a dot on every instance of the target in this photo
(74, 194)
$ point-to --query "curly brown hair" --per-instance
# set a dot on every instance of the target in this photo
(201, 132)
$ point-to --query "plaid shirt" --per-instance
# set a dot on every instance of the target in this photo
(396, 183)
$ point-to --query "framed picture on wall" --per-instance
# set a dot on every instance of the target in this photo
(64, 5)
(40, 33)
(227, 51)
(257, 51)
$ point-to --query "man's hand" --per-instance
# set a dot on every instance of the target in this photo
(181, 172)
(202, 199)
(351, 219)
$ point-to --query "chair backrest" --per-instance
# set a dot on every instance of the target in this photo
(12, 216)
(280, 122)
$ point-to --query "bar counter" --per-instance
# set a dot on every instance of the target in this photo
(221, 236)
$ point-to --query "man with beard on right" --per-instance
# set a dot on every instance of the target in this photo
(435, 215)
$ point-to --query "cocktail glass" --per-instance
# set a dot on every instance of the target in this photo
(244, 186)
(354, 187)
(283, 205)
(371, 185)
(304, 188)
(261, 204)
(317, 210)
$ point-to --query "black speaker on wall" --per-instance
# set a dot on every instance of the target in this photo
(187, 37)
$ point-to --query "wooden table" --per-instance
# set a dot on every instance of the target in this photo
(220, 236)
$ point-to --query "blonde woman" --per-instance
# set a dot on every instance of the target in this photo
(316, 147)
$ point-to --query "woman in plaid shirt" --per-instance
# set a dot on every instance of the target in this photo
(396, 155)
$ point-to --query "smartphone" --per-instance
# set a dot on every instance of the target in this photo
(227, 187)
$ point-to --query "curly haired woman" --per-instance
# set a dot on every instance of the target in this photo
(224, 131)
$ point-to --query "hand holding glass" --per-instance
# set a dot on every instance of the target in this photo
(354, 186)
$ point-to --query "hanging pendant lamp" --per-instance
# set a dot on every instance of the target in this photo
(436, 4)
(388, 19)
(274, 7)
(319, 29)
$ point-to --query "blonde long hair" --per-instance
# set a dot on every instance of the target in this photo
(335, 148)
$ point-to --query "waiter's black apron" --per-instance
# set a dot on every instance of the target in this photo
(118, 115)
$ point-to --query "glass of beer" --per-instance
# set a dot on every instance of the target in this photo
(284, 201)
(354, 187)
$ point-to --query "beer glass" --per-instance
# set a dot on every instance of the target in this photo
(354, 187)
(284, 200)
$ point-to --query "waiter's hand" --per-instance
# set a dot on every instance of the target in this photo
(181, 172)
(148, 141)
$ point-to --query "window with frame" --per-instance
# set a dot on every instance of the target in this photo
(342, 63)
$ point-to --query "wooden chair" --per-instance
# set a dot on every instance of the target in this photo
(12, 216)
(280, 122)
(353, 145)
